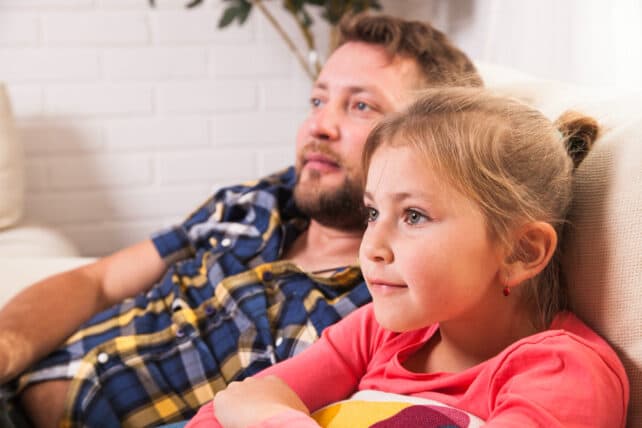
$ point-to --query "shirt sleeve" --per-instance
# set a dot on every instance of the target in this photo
(174, 243)
(559, 382)
(289, 418)
(331, 368)
(231, 209)
(205, 418)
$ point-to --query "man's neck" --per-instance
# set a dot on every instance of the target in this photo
(321, 247)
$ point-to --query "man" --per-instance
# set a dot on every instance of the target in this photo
(250, 278)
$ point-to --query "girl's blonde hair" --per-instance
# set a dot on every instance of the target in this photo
(507, 157)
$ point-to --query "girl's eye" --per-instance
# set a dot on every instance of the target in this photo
(415, 217)
(372, 214)
(315, 102)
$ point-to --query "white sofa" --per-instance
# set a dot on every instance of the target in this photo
(27, 251)
(18, 238)
(603, 250)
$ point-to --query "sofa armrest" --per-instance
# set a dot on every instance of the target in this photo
(20, 272)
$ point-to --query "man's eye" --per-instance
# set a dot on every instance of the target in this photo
(415, 217)
(361, 106)
(372, 214)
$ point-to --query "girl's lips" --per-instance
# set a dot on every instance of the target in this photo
(385, 287)
(386, 284)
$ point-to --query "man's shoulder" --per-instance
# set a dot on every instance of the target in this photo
(262, 197)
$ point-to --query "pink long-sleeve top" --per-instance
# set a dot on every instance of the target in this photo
(566, 376)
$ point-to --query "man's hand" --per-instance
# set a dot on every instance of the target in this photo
(253, 400)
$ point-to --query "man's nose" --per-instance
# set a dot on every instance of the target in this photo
(325, 123)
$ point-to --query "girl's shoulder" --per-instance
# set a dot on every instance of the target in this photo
(568, 350)
(569, 332)
(570, 363)
(567, 338)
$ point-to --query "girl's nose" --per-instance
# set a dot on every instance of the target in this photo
(375, 246)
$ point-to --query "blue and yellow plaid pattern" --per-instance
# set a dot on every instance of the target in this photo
(226, 309)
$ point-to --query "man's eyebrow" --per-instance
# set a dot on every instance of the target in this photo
(352, 89)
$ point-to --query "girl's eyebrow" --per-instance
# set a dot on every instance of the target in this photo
(398, 196)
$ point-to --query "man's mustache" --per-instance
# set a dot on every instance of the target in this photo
(317, 147)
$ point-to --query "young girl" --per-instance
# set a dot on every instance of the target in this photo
(466, 195)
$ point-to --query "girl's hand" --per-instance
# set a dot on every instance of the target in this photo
(253, 400)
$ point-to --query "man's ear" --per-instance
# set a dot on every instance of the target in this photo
(535, 246)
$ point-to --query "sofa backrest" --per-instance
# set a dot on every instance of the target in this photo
(602, 247)
(11, 166)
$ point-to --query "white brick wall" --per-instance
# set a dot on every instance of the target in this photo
(130, 116)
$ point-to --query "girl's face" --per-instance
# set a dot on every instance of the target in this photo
(425, 254)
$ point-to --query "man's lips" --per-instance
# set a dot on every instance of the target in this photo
(320, 162)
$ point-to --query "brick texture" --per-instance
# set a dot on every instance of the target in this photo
(130, 116)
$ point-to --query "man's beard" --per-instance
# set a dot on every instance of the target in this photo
(340, 208)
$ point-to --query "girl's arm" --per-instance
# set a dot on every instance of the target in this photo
(265, 402)
(328, 371)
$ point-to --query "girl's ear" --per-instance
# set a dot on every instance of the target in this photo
(536, 243)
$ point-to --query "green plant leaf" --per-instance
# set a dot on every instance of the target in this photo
(228, 16)
(240, 10)
(244, 11)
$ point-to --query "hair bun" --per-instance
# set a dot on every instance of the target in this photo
(579, 132)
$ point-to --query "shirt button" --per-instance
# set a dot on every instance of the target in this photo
(226, 242)
(209, 310)
(180, 332)
(103, 357)
(267, 276)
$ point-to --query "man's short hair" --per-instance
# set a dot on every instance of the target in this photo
(441, 63)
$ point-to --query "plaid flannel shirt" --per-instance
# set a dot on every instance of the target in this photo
(225, 309)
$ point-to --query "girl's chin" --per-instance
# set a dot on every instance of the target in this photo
(396, 319)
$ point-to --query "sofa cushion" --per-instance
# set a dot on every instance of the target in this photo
(603, 252)
(602, 246)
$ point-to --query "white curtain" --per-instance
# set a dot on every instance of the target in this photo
(596, 42)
